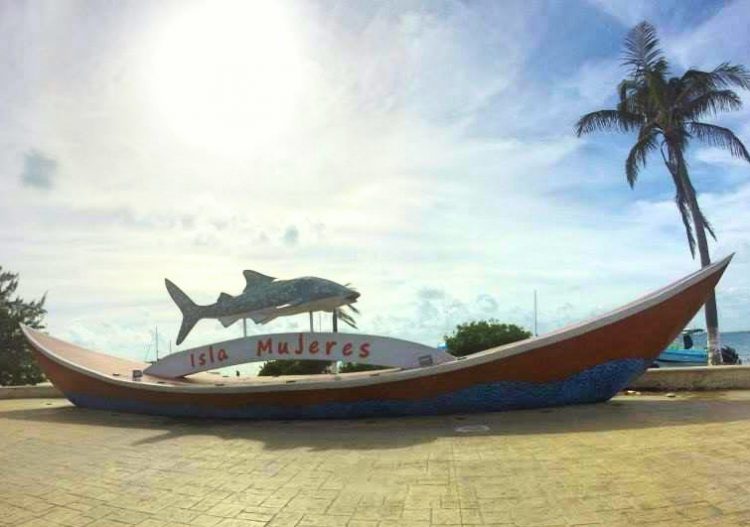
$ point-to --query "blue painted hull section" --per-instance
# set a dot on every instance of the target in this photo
(596, 384)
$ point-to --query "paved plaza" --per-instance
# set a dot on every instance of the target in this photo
(636, 460)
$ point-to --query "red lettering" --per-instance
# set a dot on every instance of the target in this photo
(301, 345)
(264, 345)
(192, 360)
(364, 350)
(329, 346)
(202, 359)
(283, 348)
(314, 347)
(223, 354)
(347, 349)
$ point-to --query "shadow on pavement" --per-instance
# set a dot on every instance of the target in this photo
(622, 413)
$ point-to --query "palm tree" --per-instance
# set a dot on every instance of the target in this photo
(347, 318)
(666, 112)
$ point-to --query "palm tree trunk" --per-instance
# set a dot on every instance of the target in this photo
(713, 344)
(712, 315)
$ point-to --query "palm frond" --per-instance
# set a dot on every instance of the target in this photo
(711, 103)
(676, 166)
(642, 52)
(633, 97)
(687, 219)
(687, 195)
(723, 76)
(638, 154)
(605, 120)
(626, 88)
(346, 318)
(707, 225)
(727, 75)
(690, 195)
(658, 90)
(719, 137)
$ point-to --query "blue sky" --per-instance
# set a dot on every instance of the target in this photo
(423, 151)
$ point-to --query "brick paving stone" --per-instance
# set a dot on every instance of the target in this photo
(286, 519)
(416, 515)
(446, 516)
(204, 520)
(234, 522)
(644, 460)
(471, 517)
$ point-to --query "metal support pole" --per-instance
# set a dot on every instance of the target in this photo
(244, 327)
(335, 322)
(311, 323)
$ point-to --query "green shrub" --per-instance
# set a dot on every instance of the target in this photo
(294, 367)
(349, 367)
(481, 335)
(17, 366)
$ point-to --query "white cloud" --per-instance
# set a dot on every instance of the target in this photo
(715, 41)
(717, 156)
(376, 182)
(628, 13)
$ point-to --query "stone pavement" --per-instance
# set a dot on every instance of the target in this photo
(636, 460)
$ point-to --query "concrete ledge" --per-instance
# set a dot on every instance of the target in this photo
(694, 378)
(40, 391)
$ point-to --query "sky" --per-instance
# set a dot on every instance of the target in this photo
(421, 151)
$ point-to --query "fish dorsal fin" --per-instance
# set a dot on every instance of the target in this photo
(223, 297)
(255, 279)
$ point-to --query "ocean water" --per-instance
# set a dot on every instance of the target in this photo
(739, 340)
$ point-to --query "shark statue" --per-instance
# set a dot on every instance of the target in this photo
(265, 298)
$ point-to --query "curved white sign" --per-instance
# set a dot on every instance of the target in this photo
(366, 349)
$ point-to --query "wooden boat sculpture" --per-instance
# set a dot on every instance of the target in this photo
(584, 363)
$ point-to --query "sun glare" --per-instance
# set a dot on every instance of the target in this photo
(226, 74)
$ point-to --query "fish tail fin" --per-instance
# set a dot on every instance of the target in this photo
(190, 310)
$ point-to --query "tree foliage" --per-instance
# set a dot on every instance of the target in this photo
(482, 335)
(17, 366)
(273, 368)
(307, 367)
(350, 367)
(666, 112)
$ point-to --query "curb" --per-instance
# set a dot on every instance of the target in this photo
(695, 378)
(38, 391)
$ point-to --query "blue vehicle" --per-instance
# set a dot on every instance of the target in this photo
(683, 352)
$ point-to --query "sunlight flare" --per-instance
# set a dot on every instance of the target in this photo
(225, 75)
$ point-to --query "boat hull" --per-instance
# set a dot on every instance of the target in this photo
(596, 384)
(586, 363)
(681, 358)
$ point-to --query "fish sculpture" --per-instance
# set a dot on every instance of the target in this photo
(264, 299)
